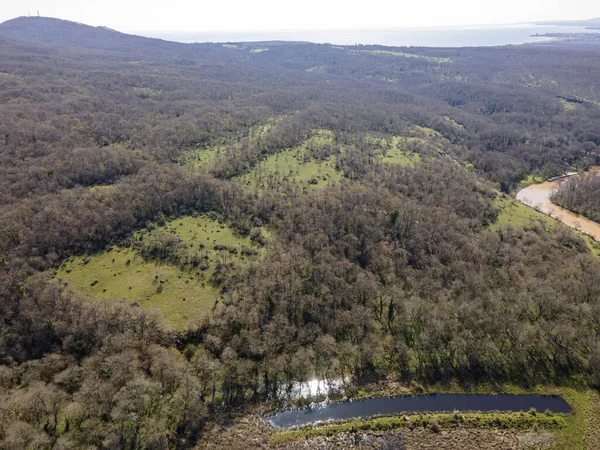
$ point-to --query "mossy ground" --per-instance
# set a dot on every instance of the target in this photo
(182, 295)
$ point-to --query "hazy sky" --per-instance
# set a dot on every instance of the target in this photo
(236, 15)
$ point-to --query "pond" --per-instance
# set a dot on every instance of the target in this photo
(418, 404)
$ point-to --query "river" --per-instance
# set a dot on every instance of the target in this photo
(388, 406)
(538, 196)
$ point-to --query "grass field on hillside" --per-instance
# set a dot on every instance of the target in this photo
(513, 212)
(296, 166)
(291, 166)
(397, 150)
(181, 294)
(405, 55)
(122, 274)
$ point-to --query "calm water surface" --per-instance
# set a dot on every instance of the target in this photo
(417, 404)
(473, 36)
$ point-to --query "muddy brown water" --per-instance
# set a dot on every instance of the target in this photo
(538, 196)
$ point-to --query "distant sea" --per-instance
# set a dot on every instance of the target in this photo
(472, 36)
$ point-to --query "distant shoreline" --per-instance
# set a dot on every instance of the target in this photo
(483, 36)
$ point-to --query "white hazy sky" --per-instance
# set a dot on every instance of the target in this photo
(240, 15)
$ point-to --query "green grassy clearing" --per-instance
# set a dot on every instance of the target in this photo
(424, 131)
(291, 166)
(431, 139)
(109, 275)
(581, 429)
(583, 426)
(532, 81)
(397, 150)
(453, 122)
(419, 143)
(513, 212)
(261, 130)
(567, 106)
(201, 158)
(531, 179)
(204, 157)
(202, 229)
(181, 293)
(405, 55)
(295, 166)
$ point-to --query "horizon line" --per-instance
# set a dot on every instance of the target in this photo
(294, 30)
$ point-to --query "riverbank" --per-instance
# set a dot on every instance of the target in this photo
(434, 423)
(421, 404)
(581, 430)
(537, 196)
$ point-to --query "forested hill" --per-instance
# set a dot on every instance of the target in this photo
(495, 93)
(72, 34)
(191, 228)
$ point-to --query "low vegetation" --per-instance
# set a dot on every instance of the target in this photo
(433, 422)
(514, 213)
(180, 296)
(174, 268)
(407, 55)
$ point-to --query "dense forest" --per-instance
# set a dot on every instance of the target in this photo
(580, 195)
(378, 250)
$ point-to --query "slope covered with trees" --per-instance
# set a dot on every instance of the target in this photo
(394, 265)
(580, 195)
